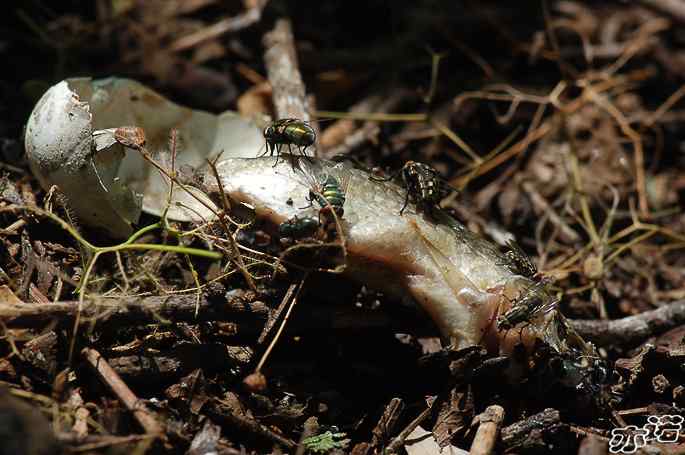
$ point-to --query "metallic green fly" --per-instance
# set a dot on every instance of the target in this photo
(329, 195)
(289, 132)
(297, 228)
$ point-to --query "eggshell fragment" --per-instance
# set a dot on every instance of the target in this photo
(69, 143)
(59, 149)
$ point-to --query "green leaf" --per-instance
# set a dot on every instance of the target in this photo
(325, 442)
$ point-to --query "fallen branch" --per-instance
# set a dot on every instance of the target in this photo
(632, 330)
(236, 305)
(94, 442)
(176, 307)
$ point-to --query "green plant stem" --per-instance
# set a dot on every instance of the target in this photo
(372, 117)
(168, 248)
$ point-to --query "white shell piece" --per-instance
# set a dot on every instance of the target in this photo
(70, 143)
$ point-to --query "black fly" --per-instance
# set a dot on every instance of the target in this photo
(424, 185)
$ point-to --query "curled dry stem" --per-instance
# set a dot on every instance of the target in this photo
(97, 251)
(220, 215)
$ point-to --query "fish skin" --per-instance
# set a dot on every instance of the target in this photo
(460, 279)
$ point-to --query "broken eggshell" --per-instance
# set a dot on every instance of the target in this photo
(68, 144)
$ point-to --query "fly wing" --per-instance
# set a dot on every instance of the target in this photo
(344, 179)
(518, 261)
(318, 175)
(313, 172)
(445, 188)
(549, 306)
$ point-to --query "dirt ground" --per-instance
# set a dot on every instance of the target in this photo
(556, 122)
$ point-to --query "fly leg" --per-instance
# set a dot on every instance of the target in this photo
(309, 198)
(294, 159)
(277, 149)
(267, 149)
(406, 202)
(303, 151)
(374, 178)
(523, 327)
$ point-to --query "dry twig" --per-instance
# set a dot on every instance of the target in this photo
(528, 434)
(177, 307)
(280, 58)
(144, 417)
(250, 16)
(566, 232)
(488, 430)
(182, 307)
(275, 315)
(396, 443)
(291, 297)
(675, 8)
(632, 330)
(225, 415)
(388, 421)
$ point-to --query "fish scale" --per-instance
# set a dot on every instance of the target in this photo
(459, 279)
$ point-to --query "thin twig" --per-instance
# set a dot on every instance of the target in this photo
(540, 203)
(676, 8)
(275, 315)
(293, 302)
(635, 138)
(337, 132)
(144, 417)
(227, 25)
(396, 443)
(224, 220)
(545, 128)
(347, 138)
